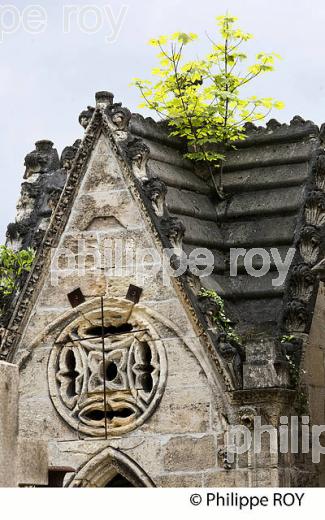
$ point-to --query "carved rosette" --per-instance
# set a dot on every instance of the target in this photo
(134, 372)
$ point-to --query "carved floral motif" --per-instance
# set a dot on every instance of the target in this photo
(302, 282)
(134, 371)
(309, 243)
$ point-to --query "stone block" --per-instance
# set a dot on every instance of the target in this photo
(181, 411)
(9, 382)
(190, 453)
(226, 478)
(174, 480)
(32, 462)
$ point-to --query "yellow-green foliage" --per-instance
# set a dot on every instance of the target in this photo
(201, 99)
(12, 265)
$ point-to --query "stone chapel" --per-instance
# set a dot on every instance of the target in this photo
(111, 379)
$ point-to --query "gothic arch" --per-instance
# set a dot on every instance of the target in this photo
(105, 466)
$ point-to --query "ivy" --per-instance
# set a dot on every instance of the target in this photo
(222, 322)
(202, 99)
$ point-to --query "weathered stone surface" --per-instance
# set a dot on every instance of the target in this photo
(184, 202)
(259, 233)
(233, 478)
(33, 463)
(180, 480)
(181, 410)
(266, 177)
(270, 202)
(177, 177)
(190, 453)
(270, 153)
(9, 381)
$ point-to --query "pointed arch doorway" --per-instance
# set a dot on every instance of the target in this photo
(110, 468)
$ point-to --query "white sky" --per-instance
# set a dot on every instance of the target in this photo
(46, 79)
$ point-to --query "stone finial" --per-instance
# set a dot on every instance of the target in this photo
(85, 116)
(104, 99)
(44, 146)
(41, 160)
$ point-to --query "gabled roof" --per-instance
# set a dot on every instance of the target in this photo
(275, 188)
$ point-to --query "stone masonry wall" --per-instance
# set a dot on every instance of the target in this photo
(177, 444)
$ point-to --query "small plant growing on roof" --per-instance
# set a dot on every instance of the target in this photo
(202, 99)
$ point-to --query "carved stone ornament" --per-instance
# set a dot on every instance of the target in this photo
(233, 355)
(209, 307)
(156, 191)
(315, 208)
(302, 282)
(296, 316)
(118, 117)
(320, 172)
(135, 370)
(69, 154)
(174, 229)
(246, 416)
(104, 99)
(309, 243)
(138, 153)
(41, 160)
(85, 117)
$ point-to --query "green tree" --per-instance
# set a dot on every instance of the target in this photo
(12, 265)
(202, 99)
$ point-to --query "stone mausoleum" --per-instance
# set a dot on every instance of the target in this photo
(109, 378)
